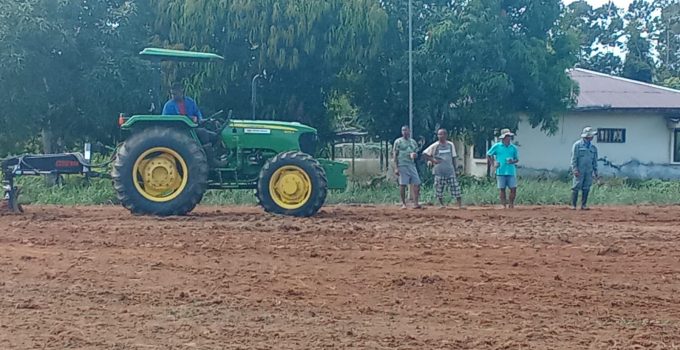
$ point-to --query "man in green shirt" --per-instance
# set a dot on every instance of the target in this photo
(405, 153)
(504, 156)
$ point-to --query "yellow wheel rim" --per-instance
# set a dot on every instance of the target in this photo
(290, 187)
(160, 174)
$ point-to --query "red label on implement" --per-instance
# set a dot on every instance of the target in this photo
(66, 164)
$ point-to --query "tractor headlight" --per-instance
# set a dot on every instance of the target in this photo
(309, 142)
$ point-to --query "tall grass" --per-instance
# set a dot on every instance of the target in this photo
(77, 190)
(530, 192)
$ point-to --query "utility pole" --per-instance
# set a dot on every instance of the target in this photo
(410, 65)
(253, 93)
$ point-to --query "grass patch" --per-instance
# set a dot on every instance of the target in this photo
(77, 190)
(74, 190)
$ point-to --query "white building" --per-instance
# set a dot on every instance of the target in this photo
(638, 130)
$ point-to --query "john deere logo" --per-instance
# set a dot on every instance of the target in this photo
(257, 131)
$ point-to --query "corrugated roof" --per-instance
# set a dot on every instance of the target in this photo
(604, 91)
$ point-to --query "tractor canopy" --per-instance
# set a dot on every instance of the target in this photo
(156, 54)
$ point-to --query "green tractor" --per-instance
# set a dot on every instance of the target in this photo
(163, 169)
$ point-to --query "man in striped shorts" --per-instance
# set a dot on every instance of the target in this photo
(443, 155)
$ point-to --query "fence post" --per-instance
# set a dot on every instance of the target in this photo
(387, 155)
(381, 155)
(353, 157)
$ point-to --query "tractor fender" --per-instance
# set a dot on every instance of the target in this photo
(139, 123)
(336, 176)
(157, 120)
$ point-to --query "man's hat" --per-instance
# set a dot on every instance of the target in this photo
(506, 132)
(588, 132)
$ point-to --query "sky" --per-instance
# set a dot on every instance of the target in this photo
(597, 3)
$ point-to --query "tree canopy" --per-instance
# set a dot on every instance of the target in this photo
(302, 46)
(67, 68)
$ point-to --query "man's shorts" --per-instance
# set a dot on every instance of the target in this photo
(442, 181)
(506, 181)
(408, 175)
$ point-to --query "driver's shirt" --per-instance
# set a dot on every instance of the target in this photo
(182, 107)
(187, 107)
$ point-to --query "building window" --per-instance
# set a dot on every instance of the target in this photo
(479, 149)
(611, 135)
(676, 146)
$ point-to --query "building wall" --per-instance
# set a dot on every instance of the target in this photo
(473, 166)
(648, 140)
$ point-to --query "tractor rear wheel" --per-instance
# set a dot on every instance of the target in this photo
(160, 171)
(292, 183)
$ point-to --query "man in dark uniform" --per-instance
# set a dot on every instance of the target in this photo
(583, 167)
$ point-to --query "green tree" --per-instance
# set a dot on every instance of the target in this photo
(379, 86)
(479, 65)
(599, 32)
(608, 63)
(668, 38)
(671, 82)
(67, 68)
(484, 63)
(639, 62)
(302, 45)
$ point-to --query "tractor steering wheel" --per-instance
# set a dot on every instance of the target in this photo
(226, 121)
(212, 122)
(216, 114)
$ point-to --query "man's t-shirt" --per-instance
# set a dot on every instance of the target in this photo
(502, 153)
(182, 108)
(190, 109)
(444, 153)
(405, 147)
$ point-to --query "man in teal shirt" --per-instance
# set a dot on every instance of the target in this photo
(504, 156)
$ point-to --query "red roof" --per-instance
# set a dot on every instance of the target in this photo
(604, 91)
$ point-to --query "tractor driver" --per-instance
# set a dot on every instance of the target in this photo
(180, 104)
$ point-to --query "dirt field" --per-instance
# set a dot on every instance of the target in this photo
(352, 277)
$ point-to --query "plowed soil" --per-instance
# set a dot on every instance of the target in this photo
(349, 278)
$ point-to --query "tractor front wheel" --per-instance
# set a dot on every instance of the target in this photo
(160, 171)
(292, 183)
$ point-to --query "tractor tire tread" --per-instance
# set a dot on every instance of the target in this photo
(197, 165)
(317, 176)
